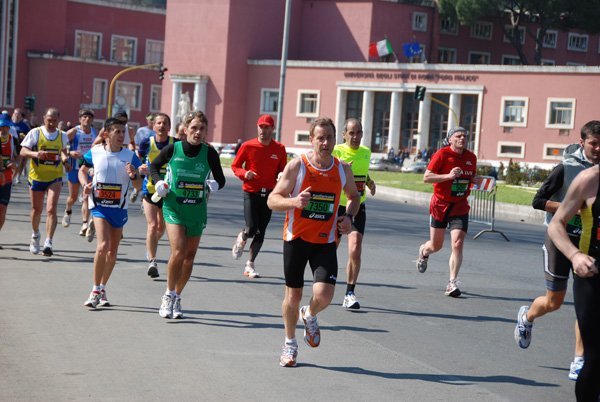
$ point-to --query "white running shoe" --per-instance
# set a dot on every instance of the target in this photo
(34, 245)
(177, 313)
(523, 331)
(84, 227)
(249, 270)
(350, 301)
(93, 300)
(103, 300)
(452, 289)
(238, 247)
(153, 269)
(574, 370)
(47, 252)
(422, 260)
(66, 220)
(91, 231)
(166, 307)
(312, 334)
(288, 356)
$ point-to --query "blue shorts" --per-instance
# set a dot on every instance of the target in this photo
(42, 185)
(73, 176)
(116, 217)
(5, 191)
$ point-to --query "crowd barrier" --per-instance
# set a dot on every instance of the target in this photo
(483, 204)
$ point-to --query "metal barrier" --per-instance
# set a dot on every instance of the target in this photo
(483, 205)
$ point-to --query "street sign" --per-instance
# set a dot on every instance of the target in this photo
(91, 106)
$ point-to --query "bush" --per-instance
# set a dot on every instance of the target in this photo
(517, 175)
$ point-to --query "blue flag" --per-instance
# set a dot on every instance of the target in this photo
(412, 49)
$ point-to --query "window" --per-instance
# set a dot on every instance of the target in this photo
(546, 62)
(155, 98)
(511, 61)
(88, 44)
(354, 104)
(448, 27)
(559, 113)
(481, 30)
(511, 149)
(578, 42)
(269, 97)
(302, 138)
(420, 22)
(514, 111)
(154, 51)
(419, 58)
(479, 58)
(308, 103)
(572, 63)
(131, 92)
(510, 31)
(554, 151)
(100, 91)
(446, 55)
(550, 38)
(123, 49)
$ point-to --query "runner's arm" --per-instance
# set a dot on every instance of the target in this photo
(279, 199)
(161, 159)
(430, 177)
(553, 183)
(215, 166)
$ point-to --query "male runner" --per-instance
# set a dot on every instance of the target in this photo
(359, 157)
(22, 128)
(309, 190)
(185, 188)
(257, 164)
(129, 134)
(47, 148)
(149, 149)
(115, 168)
(81, 139)
(577, 157)
(8, 152)
(583, 197)
(141, 134)
(452, 170)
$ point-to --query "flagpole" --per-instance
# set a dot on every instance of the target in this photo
(393, 51)
(284, 52)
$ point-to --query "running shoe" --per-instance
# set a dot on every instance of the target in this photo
(103, 300)
(17, 180)
(238, 247)
(249, 270)
(575, 369)
(177, 313)
(523, 331)
(452, 289)
(312, 335)
(166, 307)
(91, 231)
(84, 227)
(34, 245)
(422, 260)
(133, 196)
(288, 356)
(153, 269)
(47, 252)
(93, 300)
(66, 220)
(350, 301)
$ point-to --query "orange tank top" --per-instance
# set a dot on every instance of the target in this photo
(317, 223)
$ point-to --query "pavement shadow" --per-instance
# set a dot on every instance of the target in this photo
(478, 318)
(467, 295)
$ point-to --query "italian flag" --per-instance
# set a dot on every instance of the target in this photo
(380, 49)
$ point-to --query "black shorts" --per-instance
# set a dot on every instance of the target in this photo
(5, 192)
(360, 220)
(556, 266)
(460, 222)
(148, 197)
(321, 257)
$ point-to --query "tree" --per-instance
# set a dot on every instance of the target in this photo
(529, 14)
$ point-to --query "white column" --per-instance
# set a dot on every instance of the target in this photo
(367, 117)
(395, 119)
(200, 95)
(174, 104)
(455, 100)
(424, 124)
(340, 114)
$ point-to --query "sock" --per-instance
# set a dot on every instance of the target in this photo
(177, 297)
(35, 234)
(170, 293)
(307, 314)
(48, 242)
(291, 341)
(97, 289)
(350, 288)
(525, 320)
(578, 359)
(102, 287)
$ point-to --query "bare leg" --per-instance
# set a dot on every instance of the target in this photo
(51, 207)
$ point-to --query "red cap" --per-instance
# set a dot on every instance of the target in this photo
(265, 120)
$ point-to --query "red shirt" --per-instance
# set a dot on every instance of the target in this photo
(442, 162)
(265, 161)
(7, 157)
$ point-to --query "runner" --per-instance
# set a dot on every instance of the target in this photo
(7, 168)
(185, 190)
(452, 170)
(358, 157)
(257, 164)
(115, 168)
(129, 133)
(577, 157)
(81, 139)
(309, 190)
(583, 196)
(47, 148)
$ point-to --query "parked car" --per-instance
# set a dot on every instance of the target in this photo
(228, 151)
(417, 167)
(384, 165)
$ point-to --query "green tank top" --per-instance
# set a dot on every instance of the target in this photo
(186, 178)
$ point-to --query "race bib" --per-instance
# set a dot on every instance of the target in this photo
(459, 187)
(320, 207)
(5, 161)
(52, 156)
(187, 192)
(574, 226)
(107, 194)
(361, 182)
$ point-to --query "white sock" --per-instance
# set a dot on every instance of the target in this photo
(97, 289)
(102, 287)
(170, 293)
(291, 341)
(177, 297)
(48, 242)
(578, 359)
(525, 320)
(35, 234)
(307, 314)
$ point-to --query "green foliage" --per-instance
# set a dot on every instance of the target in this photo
(529, 176)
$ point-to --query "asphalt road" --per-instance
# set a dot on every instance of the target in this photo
(409, 342)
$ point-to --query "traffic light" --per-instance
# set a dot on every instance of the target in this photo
(161, 73)
(420, 93)
(30, 103)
